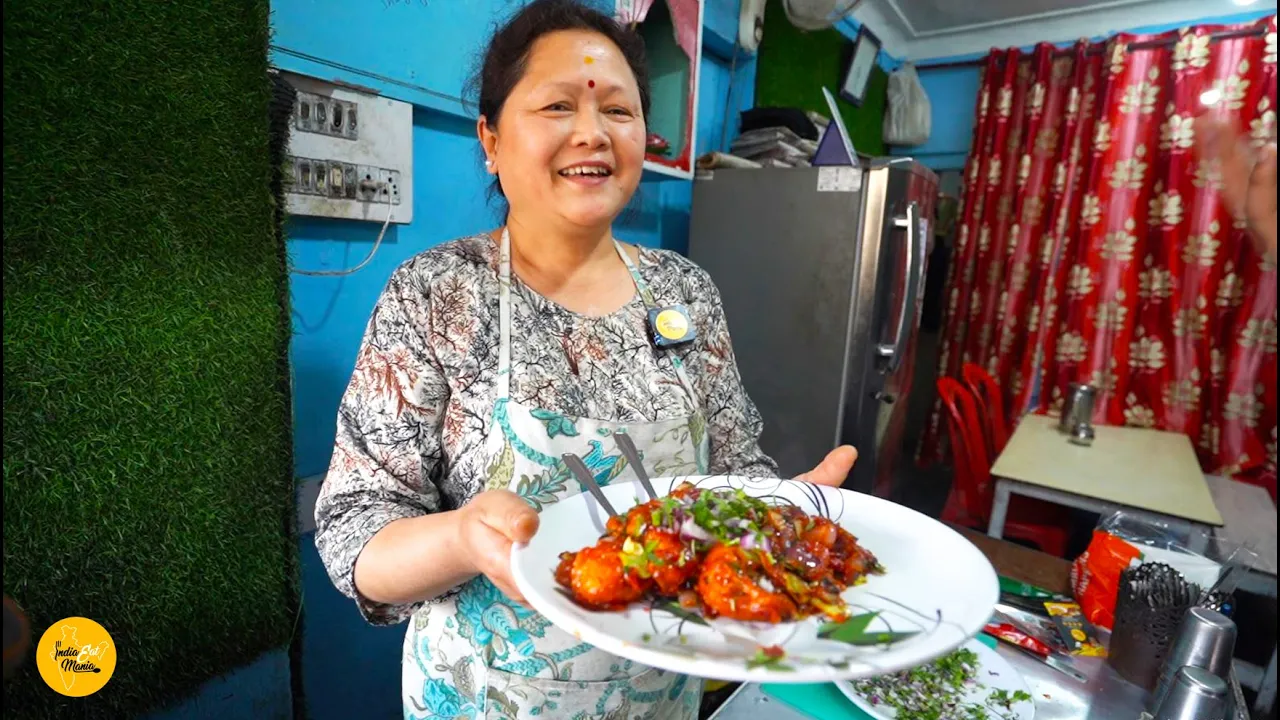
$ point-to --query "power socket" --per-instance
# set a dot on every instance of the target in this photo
(367, 177)
(390, 190)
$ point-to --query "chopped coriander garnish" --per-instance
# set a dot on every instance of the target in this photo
(938, 691)
(726, 514)
(640, 558)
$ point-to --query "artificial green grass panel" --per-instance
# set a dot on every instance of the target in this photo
(795, 65)
(147, 450)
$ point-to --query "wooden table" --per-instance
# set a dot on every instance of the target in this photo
(1148, 473)
(1022, 563)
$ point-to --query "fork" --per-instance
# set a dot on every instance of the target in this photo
(580, 471)
(628, 449)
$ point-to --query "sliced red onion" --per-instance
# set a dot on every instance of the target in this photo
(691, 529)
(753, 541)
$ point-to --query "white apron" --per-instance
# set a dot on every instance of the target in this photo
(481, 655)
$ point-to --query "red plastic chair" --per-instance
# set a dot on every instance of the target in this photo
(972, 492)
(990, 407)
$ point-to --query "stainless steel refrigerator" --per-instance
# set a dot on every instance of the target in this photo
(822, 275)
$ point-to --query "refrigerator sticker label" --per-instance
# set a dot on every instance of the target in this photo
(839, 179)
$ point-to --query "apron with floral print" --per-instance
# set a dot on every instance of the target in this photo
(478, 654)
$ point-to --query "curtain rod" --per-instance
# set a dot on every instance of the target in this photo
(1100, 48)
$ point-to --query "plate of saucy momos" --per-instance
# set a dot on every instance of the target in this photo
(752, 579)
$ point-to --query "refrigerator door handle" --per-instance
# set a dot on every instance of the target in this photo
(915, 251)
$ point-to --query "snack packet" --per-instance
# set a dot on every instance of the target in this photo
(1078, 634)
(1095, 575)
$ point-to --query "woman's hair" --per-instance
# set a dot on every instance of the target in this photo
(507, 56)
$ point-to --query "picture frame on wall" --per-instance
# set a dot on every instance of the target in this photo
(866, 48)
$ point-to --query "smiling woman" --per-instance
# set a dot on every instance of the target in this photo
(569, 133)
(489, 358)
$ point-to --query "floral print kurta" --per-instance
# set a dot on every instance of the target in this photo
(412, 422)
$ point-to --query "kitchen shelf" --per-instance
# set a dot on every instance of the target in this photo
(667, 173)
(674, 79)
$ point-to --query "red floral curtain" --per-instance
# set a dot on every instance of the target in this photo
(1093, 245)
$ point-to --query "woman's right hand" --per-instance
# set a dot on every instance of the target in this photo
(491, 522)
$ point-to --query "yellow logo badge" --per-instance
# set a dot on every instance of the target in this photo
(671, 324)
(76, 656)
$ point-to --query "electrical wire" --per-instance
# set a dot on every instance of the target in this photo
(348, 271)
(728, 97)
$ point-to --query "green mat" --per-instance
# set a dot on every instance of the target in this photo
(824, 700)
(795, 65)
(147, 447)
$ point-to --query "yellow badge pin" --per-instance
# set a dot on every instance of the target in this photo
(671, 325)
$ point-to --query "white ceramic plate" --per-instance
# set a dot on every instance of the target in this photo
(994, 673)
(936, 584)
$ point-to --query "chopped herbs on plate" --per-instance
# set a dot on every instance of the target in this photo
(941, 690)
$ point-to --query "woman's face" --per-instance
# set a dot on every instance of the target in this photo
(570, 137)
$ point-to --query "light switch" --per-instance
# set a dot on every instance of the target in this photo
(321, 172)
(304, 176)
(349, 181)
(336, 178)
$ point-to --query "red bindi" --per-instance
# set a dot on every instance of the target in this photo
(591, 83)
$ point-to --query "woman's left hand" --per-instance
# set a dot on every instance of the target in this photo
(833, 469)
(1248, 177)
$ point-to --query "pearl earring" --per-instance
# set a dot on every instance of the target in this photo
(488, 165)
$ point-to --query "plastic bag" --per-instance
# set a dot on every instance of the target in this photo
(1095, 576)
(1123, 539)
(908, 119)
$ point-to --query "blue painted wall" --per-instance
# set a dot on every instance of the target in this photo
(953, 96)
(330, 313)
